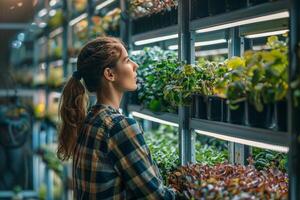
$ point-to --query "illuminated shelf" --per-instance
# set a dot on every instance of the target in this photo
(159, 117)
(263, 138)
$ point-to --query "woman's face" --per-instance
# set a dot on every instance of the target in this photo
(125, 71)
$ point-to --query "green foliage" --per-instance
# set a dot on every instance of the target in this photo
(259, 76)
(49, 157)
(155, 69)
(264, 159)
(233, 84)
(56, 20)
(164, 149)
(182, 84)
(267, 70)
(163, 145)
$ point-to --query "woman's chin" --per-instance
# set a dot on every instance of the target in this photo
(132, 89)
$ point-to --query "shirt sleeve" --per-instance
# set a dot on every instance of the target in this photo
(131, 159)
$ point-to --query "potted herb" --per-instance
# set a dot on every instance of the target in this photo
(233, 85)
(267, 70)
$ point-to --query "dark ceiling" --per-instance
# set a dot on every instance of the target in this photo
(13, 11)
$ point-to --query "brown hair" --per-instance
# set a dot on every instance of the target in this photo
(93, 58)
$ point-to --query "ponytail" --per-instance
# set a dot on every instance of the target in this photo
(72, 111)
(93, 58)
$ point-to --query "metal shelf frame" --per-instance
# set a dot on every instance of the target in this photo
(187, 32)
(160, 117)
(287, 141)
(260, 135)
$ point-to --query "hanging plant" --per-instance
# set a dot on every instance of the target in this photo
(56, 20)
(55, 78)
(111, 21)
(139, 8)
(79, 5)
(97, 29)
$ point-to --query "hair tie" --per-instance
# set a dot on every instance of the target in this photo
(77, 75)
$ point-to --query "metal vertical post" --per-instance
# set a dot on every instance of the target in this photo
(246, 44)
(238, 153)
(65, 38)
(125, 35)
(293, 112)
(185, 54)
(90, 12)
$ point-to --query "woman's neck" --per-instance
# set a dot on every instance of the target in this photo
(110, 96)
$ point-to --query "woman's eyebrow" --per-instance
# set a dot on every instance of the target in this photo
(125, 58)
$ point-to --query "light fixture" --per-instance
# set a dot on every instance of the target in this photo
(73, 60)
(280, 15)
(78, 19)
(136, 52)
(211, 52)
(52, 13)
(104, 4)
(42, 25)
(244, 141)
(258, 35)
(56, 32)
(16, 44)
(204, 43)
(57, 63)
(157, 39)
(260, 47)
(21, 37)
(42, 12)
(52, 3)
(153, 119)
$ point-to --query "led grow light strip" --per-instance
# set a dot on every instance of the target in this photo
(78, 19)
(157, 39)
(212, 52)
(56, 63)
(154, 119)
(244, 141)
(52, 3)
(198, 44)
(280, 15)
(42, 12)
(104, 4)
(56, 32)
(258, 35)
(136, 52)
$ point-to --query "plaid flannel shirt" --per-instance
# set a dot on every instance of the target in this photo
(112, 161)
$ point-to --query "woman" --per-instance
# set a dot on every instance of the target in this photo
(110, 157)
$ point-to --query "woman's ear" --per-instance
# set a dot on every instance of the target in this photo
(109, 74)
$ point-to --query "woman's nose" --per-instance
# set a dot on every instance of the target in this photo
(135, 66)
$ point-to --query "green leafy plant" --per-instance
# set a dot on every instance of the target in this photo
(49, 157)
(267, 70)
(232, 82)
(155, 69)
(56, 20)
(183, 83)
(163, 145)
(140, 8)
(264, 159)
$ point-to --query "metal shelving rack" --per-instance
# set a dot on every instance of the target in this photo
(229, 22)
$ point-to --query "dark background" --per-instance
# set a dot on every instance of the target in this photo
(12, 11)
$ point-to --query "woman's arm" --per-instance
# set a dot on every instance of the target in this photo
(129, 155)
